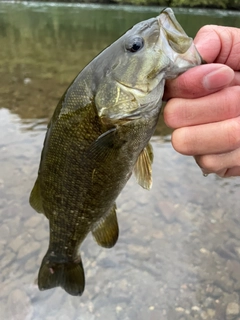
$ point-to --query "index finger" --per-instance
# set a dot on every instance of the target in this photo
(219, 44)
(199, 81)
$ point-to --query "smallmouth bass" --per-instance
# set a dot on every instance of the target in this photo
(99, 134)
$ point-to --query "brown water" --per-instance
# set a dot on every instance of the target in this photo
(178, 255)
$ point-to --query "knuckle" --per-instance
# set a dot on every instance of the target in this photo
(232, 172)
(208, 163)
(230, 101)
(176, 113)
(183, 84)
(223, 173)
(169, 114)
(233, 133)
(181, 142)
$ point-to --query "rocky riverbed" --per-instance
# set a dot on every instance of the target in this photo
(178, 255)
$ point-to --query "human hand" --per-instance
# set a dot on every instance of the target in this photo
(204, 105)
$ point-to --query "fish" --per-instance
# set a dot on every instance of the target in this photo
(98, 136)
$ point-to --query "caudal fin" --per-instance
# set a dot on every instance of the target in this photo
(68, 275)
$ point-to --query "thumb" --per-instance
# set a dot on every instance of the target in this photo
(199, 81)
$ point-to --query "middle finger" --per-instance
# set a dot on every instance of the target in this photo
(212, 108)
(214, 138)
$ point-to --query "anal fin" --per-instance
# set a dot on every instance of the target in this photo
(106, 230)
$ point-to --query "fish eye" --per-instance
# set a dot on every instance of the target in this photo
(135, 44)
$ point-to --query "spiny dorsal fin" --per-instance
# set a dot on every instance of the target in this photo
(35, 199)
(143, 167)
(106, 231)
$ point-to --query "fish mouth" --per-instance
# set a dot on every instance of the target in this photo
(173, 32)
(167, 20)
(134, 90)
(176, 44)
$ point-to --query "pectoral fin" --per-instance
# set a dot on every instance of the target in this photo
(143, 167)
(106, 145)
(35, 199)
(106, 230)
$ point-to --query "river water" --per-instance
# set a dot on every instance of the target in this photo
(178, 255)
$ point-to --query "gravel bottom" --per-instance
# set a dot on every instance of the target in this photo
(177, 258)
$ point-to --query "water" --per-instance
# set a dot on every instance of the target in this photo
(178, 255)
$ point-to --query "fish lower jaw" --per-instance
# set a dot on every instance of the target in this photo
(136, 91)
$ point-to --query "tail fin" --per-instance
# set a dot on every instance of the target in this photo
(69, 275)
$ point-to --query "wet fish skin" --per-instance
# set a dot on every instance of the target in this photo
(98, 135)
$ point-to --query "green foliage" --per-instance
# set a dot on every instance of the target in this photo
(200, 3)
(144, 2)
(223, 4)
(234, 4)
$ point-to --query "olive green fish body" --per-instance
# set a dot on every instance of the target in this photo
(99, 134)
(86, 166)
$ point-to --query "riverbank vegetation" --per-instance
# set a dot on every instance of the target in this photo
(221, 4)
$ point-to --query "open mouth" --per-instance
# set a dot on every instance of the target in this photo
(136, 90)
(168, 21)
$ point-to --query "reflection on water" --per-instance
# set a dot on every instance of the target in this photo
(178, 256)
(43, 47)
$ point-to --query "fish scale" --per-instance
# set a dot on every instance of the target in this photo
(99, 134)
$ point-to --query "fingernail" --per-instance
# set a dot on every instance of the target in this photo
(219, 78)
